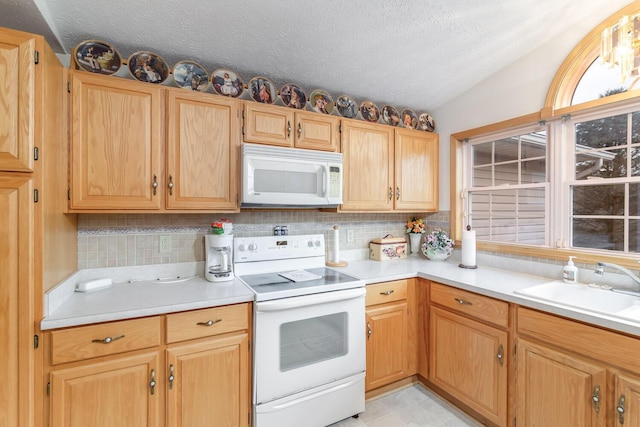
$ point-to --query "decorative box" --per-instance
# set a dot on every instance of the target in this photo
(388, 248)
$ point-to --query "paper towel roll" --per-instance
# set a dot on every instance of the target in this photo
(336, 244)
(468, 256)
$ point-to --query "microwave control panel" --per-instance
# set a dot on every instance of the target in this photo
(335, 181)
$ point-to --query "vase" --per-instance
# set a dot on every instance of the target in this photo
(415, 238)
(438, 254)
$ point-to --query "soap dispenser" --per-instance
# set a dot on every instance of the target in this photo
(570, 273)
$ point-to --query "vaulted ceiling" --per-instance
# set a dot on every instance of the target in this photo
(406, 53)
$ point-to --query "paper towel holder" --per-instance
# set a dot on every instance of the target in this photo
(335, 262)
(461, 265)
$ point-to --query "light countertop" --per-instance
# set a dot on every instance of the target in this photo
(64, 307)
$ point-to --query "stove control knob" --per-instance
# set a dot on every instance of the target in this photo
(317, 243)
(241, 247)
(310, 243)
(253, 246)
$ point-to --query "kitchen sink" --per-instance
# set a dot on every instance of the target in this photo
(587, 298)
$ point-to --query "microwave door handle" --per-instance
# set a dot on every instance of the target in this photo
(324, 180)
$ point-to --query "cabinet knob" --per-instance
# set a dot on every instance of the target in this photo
(288, 128)
(299, 130)
(390, 193)
(620, 409)
(387, 292)
(154, 184)
(462, 302)
(171, 377)
(369, 330)
(500, 355)
(170, 185)
(397, 193)
(152, 382)
(596, 398)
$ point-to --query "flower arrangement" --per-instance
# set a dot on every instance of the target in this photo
(437, 242)
(416, 226)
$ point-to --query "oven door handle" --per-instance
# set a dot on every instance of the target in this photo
(307, 300)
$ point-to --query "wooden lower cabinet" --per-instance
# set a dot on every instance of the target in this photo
(121, 392)
(189, 369)
(205, 382)
(392, 331)
(468, 350)
(571, 373)
(555, 388)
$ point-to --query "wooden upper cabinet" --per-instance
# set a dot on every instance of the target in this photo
(273, 125)
(266, 124)
(416, 170)
(368, 152)
(317, 131)
(202, 150)
(117, 140)
(17, 100)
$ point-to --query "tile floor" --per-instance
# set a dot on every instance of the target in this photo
(413, 406)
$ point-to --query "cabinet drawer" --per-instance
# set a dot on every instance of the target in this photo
(204, 323)
(86, 342)
(386, 292)
(478, 306)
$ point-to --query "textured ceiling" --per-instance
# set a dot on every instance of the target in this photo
(407, 53)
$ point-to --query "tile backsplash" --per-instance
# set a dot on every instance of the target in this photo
(118, 240)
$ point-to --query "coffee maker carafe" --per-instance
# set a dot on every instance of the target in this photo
(219, 261)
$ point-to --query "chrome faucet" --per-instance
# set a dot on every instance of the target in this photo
(599, 271)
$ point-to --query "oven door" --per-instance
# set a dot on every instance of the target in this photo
(307, 341)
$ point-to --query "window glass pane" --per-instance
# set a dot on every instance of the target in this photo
(506, 174)
(601, 164)
(482, 176)
(634, 200)
(635, 161)
(534, 171)
(532, 216)
(598, 233)
(483, 154)
(634, 235)
(599, 81)
(635, 127)
(601, 133)
(533, 150)
(598, 200)
(506, 149)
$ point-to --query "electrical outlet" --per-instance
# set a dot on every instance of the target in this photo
(351, 236)
(165, 244)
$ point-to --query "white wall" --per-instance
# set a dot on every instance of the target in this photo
(516, 90)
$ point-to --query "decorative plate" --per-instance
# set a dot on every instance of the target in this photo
(346, 106)
(321, 101)
(409, 119)
(369, 111)
(98, 57)
(190, 75)
(148, 67)
(227, 83)
(426, 122)
(293, 96)
(262, 90)
(390, 115)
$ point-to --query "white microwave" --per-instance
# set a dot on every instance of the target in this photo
(290, 177)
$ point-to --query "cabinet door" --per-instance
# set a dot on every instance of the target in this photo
(317, 131)
(17, 104)
(16, 296)
(465, 362)
(210, 386)
(553, 388)
(416, 171)
(626, 404)
(368, 167)
(106, 394)
(202, 149)
(266, 124)
(387, 349)
(117, 140)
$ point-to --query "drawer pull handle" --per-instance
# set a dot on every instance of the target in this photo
(107, 340)
(386, 292)
(369, 330)
(209, 322)
(299, 130)
(596, 399)
(462, 302)
(620, 409)
(500, 355)
(288, 128)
